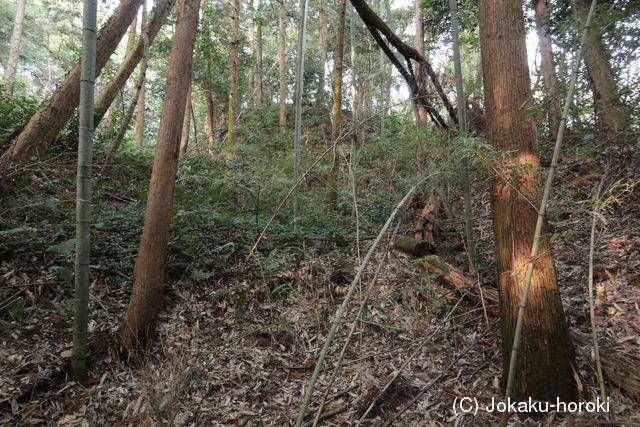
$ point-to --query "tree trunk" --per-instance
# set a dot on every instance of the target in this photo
(336, 110)
(117, 141)
(47, 122)
(544, 364)
(548, 66)
(378, 28)
(186, 125)
(114, 86)
(139, 325)
(421, 75)
(259, 84)
(211, 119)
(139, 132)
(14, 48)
(323, 36)
(611, 113)
(131, 38)
(233, 78)
(282, 66)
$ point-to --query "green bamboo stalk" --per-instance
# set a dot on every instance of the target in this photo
(542, 211)
(304, 5)
(83, 194)
(462, 123)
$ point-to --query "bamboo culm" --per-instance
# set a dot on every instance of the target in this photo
(83, 192)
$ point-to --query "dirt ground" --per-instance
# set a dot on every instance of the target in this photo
(229, 352)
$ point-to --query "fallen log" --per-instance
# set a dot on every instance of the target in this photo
(621, 369)
(450, 275)
(413, 247)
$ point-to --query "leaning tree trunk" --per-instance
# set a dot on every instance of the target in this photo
(336, 110)
(14, 48)
(543, 369)
(282, 66)
(379, 29)
(548, 66)
(233, 78)
(139, 325)
(611, 113)
(114, 86)
(47, 122)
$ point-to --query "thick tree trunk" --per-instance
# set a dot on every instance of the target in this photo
(548, 66)
(544, 363)
(259, 76)
(323, 37)
(116, 84)
(186, 125)
(282, 66)
(47, 122)
(140, 124)
(148, 277)
(233, 78)
(14, 48)
(336, 110)
(611, 113)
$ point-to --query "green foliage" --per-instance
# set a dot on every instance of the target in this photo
(15, 110)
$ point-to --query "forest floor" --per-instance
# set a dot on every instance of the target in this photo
(238, 347)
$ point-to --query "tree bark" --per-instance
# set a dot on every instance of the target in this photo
(544, 364)
(211, 119)
(378, 29)
(139, 325)
(140, 123)
(548, 66)
(233, 78)
(186, 125)
(612, 114)
(323, 37)
(47, 122)
(421, 75)
(114, 86)
(131, 38)
(14, 48)
(117, 141)
(336, 110)
(259, 76)
(282, 66)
